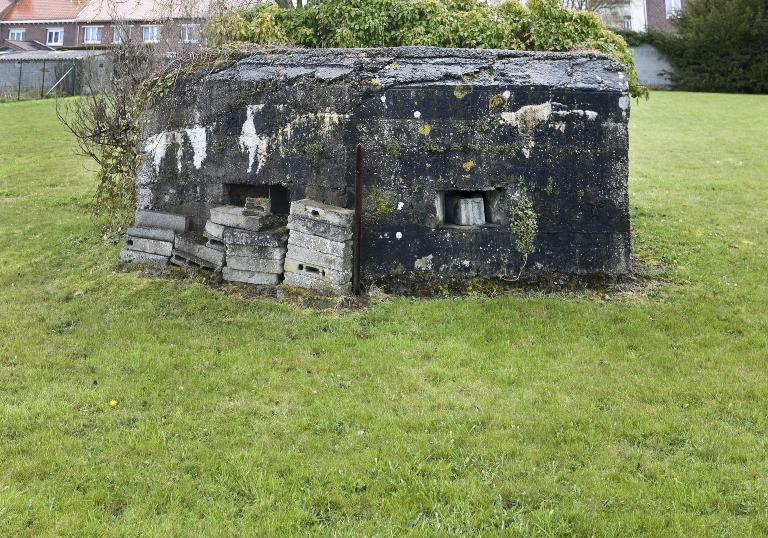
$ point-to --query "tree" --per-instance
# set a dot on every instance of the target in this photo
(720, 45)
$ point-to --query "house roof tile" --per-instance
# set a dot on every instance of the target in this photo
(45, 10)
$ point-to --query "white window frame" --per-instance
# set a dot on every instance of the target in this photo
(48, 37)
(145, 27)
(12, 31)
(121, 33)
(99, 32)
(189, 33)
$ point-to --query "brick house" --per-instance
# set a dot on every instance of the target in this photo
(641, 15)
(52, 24)
(38, 24)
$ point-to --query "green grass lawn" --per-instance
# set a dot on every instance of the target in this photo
(552, 415)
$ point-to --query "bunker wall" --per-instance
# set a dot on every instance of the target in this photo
(505, 127)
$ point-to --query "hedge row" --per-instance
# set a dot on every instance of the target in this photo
(720, 46)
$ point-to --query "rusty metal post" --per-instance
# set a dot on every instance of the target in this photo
(21, 70)
(358, 222)
(42, 84)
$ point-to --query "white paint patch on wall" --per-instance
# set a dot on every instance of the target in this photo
(591, 115)
(528, 117)
(324, 123)
(198, 139)
(250, 141)
(156, 147)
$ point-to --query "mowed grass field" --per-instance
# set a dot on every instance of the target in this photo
(576, 414)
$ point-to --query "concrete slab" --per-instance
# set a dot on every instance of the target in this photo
(233, 216)
(158, 219)
(134, 256)
(193, 250)
(260, 265)
(150, 246)
(342, 249)
(328, 214)
(257, 206)
(334, 277)
(160, 234)
(465, 211)
(267, 238)
(304, 280)
(216, 245)
(321, 229)
(257, 251)
(319, 259)
(250, 277)
(214, 231)
(184, 259)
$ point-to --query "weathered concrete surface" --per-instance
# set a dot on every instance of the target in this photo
(160, 234)
(303, 279)
(261, 265)
(158, 219)
(188, 250)
(320, 229)
(250, 277)
(233, 216)
(135, 256)
(465, 211)
(150, 246)
(256, 251)
(335, 276)
(266, 238)
(342, 249)
(318, 259)
(326, 213)
(551, 127)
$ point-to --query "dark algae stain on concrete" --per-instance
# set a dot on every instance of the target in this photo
(450, 135)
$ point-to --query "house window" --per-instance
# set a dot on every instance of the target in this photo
(17, 34)
(121, 34)
(92, 35)
(190, 33)
(55, 37)
(673, 6)
(151, 34)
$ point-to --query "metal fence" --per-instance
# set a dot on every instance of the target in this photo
(38, 75)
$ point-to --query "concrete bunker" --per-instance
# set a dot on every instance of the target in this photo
(456, 142)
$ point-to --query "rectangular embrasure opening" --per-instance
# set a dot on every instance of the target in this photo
(236, 193)
(468, 208)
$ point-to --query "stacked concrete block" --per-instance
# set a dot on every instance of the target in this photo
(255, 257)
(319, 253)
(250, 241)
(152, 239)
(232, 216)
(192, 250)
